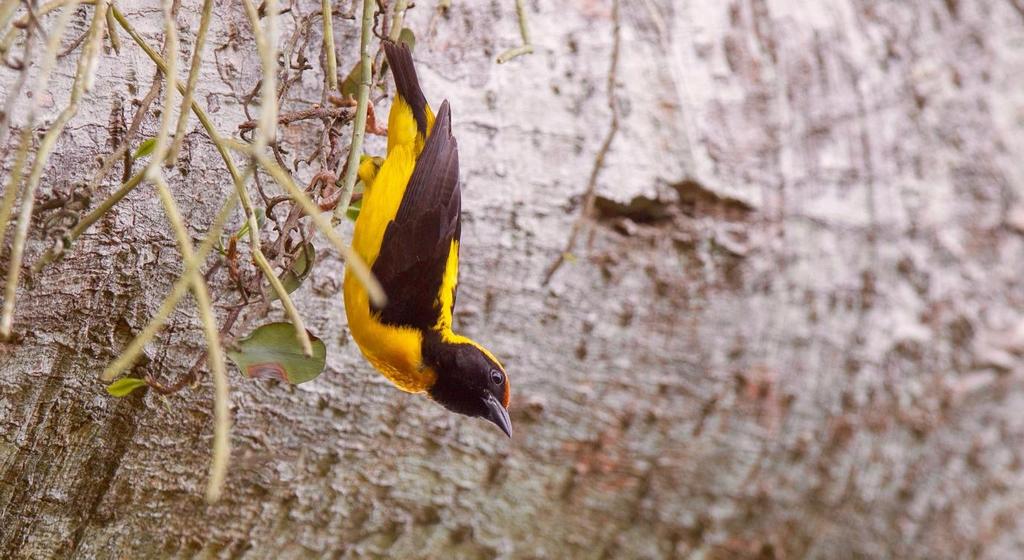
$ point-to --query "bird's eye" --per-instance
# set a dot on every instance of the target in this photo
(496, 377)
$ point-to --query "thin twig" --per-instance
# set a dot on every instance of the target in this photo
(327, 16)
(115, 41)
(161, 143)
(397, 15)
(193, 78)
(243, 194)
(121, 152)
(311, 113)
(199, 112)
(524, 32)
(222, 421)
(14, 93)
(134, 349)
(129, 182)
(359, 268)
(93, 216)
(589, 195)
(265, 134)
(348, 182)
(11, 191)
(266, 45)
(83, 79)
(30, 17)
(74, 45)
(215, 355)
(193, 372)
(25, 141)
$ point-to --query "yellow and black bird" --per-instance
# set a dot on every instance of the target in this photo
(408, 232)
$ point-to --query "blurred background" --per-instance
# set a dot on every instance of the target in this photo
(753, 267)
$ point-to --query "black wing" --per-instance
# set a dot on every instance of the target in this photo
(415, 247)
(408, 85)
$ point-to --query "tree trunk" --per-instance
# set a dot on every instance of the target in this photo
(791, 326)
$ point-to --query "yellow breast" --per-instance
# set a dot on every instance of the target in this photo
(395, 352)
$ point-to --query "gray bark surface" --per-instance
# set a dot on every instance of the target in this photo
(793, 330)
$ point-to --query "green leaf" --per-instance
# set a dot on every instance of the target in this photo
(299, 271)
(353, 210)
(407, 37)
(145, 148)
(124, 386)
(350, 86)
(271, 351)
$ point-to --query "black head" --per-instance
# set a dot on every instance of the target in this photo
(469, 381)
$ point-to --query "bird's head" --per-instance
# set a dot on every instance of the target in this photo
(470, 381)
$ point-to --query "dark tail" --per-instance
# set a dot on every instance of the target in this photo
(400, 61)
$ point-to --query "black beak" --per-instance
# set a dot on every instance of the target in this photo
(497, 414)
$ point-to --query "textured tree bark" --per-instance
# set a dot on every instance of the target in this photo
(792, 328)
